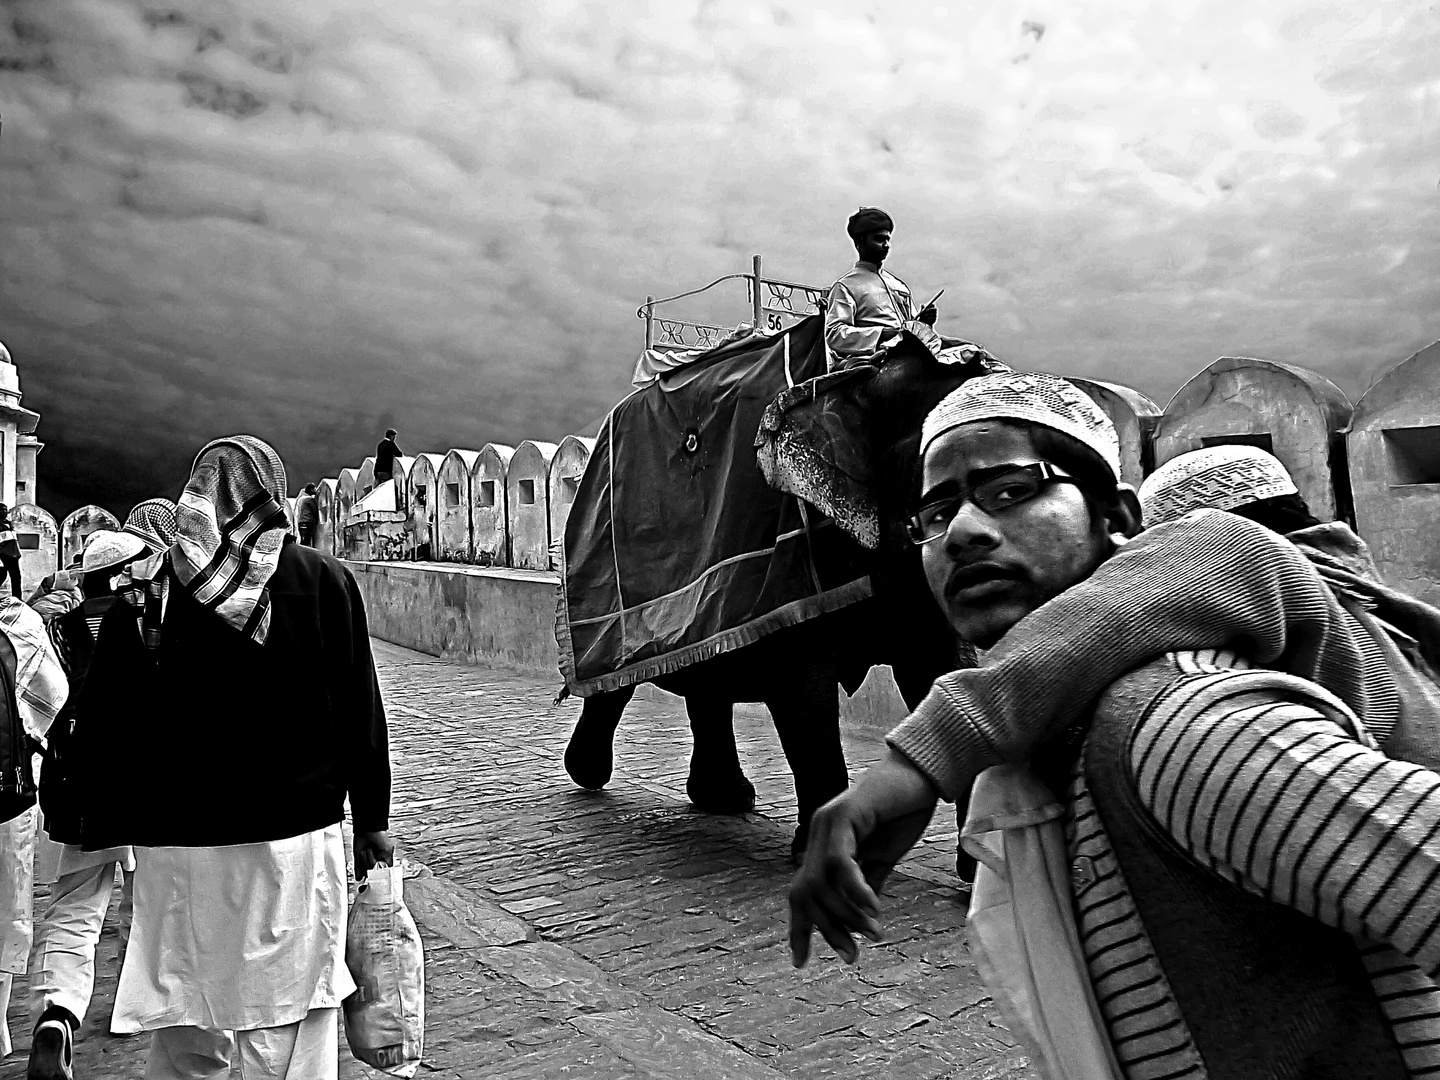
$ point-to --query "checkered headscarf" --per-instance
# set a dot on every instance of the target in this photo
(230, 525)
(154, 522)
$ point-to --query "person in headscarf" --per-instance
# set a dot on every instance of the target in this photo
(1220, 817)
(260, 711)
(40, 692)
(118, 566)
(868, 307)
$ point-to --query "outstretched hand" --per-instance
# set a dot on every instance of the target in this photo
(371, 850)
(927, 315)
(855, 841)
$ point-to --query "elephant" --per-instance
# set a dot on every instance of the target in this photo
(795, 670)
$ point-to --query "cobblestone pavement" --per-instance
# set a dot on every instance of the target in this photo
(622, 933)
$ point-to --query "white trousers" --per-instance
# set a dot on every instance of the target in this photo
(63, 966)
(17, 893)
(306, 1050)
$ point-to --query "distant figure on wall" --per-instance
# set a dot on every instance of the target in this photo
(307, 514)
(385, 455)
(9, 550)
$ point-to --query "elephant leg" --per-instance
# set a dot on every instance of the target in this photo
(716, 782)
(590, 754)
(807, 718)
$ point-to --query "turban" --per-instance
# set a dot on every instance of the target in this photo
(868, 219)
(1216, 478)
(1032, 397)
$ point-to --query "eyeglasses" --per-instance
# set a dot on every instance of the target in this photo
(994, 496)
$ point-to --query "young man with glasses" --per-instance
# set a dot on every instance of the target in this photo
(1229, 827)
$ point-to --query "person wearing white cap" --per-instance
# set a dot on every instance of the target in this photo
(1404, 631)
(63, 964)
(1214, 875)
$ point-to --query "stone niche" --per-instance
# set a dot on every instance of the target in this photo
(1293, 413)
(489, 505)
(1134, 416)
(1394, 452)
(39, 539)
(365, 479)
(346, 486)
(79, 524)
(571, 457)
(423, 474)
(453, 542)
(325, 505)
(527, 489)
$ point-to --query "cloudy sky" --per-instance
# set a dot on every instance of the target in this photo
(313, 220)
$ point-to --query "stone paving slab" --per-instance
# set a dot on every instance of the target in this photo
(622, 933)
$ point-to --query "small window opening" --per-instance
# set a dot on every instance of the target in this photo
(452, 494)
(1414, 454)
(527, 492)
(487, 492)
(28, 541)
(1258, 438)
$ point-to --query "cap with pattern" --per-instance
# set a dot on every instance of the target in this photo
(107, 548)
(154, 522)
(1029, 396)
(1215, 478)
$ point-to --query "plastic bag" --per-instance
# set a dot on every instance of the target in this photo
(385, 1016)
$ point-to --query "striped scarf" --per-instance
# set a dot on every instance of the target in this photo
(40, 683)
(149, 586)
(230, 526)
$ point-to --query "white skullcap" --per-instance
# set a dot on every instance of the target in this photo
(105, 549)
(1217, 478)
(1031, 396)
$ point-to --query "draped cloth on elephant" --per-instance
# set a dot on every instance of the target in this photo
(676, 550)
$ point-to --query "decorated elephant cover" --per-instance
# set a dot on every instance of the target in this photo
(676, 549)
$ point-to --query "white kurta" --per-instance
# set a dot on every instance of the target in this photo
(236, 938)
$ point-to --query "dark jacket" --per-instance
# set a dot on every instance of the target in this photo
(307, 513)
(225, 741)
(385, 455)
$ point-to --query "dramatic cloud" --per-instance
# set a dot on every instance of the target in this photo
(313, 220)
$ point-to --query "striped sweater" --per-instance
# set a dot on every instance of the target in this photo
(1274, 786)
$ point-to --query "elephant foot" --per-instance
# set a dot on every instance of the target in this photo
(798, 843)
(965, 866)
(590, 754)
(732, 794)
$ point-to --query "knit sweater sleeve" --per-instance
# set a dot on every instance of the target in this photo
(1207, 580)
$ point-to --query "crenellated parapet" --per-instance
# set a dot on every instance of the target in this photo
(1375, 465)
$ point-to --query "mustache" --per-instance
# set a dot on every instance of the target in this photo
(962, 577)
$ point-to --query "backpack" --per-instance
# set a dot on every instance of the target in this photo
(17, 778)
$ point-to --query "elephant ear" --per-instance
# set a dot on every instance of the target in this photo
(813, 443)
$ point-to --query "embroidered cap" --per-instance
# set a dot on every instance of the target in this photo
(1033, 397)
(106, 548)
(1217, 478)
